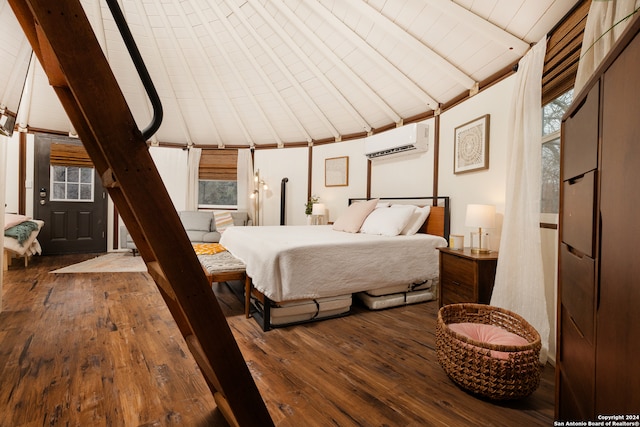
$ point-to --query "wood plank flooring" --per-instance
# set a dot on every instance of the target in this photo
(102, 350)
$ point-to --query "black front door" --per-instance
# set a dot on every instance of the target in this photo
(70, 200)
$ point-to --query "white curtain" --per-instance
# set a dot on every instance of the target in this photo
(193, 165)
(605, 23)
(245, 183)
(519, 284)
(172, 166)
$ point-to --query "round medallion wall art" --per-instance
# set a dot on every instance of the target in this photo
(471, 146)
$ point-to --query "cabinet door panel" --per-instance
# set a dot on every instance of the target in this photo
(577, 359)
(580, 144)
(579, 213)
(578, 290)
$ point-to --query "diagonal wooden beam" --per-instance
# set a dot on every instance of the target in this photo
(71, 56)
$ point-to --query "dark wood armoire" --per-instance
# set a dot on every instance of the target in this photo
(598, 342)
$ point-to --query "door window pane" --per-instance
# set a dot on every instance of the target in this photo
(72, 184)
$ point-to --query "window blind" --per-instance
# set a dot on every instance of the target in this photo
(563, 53)
(69, 155)
(218, 164)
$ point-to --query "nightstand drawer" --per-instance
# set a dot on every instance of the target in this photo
(461, 268)
(455, 292)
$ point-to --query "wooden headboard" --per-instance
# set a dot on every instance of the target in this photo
(438, 222)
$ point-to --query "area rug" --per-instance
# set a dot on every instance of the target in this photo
(115, 262)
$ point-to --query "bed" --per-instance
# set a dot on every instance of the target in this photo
(306, 273)
(20, 238)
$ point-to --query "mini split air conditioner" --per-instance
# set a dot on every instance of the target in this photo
(413, 138)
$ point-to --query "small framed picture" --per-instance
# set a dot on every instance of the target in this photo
(336, 171)
(471, 146)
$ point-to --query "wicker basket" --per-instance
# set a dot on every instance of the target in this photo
(470, 364)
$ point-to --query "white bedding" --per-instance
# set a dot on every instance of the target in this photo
(303, 262)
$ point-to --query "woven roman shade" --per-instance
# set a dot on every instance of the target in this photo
(69, 155)
(563, 53)
(218, 164)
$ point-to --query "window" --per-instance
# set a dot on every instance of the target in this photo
(217, 179)
(71, 184)
(551, 120)
(217, 194)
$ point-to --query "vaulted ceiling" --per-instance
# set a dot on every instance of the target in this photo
(286, 72)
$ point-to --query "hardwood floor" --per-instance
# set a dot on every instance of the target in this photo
(102, 349)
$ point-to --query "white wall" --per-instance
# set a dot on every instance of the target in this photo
(485, 186)
(274, 165)
(336, 199)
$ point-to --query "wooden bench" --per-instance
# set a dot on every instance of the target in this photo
(222, 267)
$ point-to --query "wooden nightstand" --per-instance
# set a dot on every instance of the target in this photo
(466, 276)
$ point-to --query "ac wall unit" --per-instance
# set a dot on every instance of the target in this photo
(413, 138)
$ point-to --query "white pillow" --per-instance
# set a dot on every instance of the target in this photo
(351, 220)
(387, 221)
(416, 221)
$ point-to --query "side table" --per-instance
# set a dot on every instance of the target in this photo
(466, 276)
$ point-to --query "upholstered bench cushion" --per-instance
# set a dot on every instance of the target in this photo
(221, 263)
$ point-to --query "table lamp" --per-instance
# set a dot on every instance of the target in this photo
(481, 216)
(318, 212)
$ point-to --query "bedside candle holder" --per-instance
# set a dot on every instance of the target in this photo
(456, 241)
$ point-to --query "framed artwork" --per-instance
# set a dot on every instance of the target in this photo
(336, 171)
(471, 146)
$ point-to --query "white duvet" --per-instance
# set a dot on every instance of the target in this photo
(303, 262)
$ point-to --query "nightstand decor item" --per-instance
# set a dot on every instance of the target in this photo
(456, 241)
(480, 216)
(489, 369)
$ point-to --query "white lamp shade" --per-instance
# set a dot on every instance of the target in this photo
(481, 216)
(318, 209)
